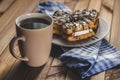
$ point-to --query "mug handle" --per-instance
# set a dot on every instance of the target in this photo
(13, 42)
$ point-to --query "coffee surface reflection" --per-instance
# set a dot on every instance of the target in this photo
(34, 23)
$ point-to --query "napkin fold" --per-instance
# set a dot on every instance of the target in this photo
(86, 60)
(91, 59)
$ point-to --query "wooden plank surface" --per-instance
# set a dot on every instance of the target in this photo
(81, 4)
(113, 74)
(12, 69)
(70, 4)
(106, 13)
(95, 4)
(114, 38)
(6, 62)
(5, 4)
(57, 71)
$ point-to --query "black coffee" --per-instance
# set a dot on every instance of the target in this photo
(34, 23)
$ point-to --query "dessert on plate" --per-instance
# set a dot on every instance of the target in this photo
(75, 26)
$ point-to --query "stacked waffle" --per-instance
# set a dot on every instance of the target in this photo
(75, 26)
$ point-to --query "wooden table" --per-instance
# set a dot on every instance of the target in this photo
(12, 69)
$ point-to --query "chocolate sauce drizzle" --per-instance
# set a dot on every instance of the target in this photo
(71, 19)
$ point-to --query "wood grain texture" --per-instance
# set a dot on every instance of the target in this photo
(81, 4)
(113, 74)
(12, 69)
(56, 70)
(95, 4)
(100, 76)
(45, 70)
(6, 62)
(70, 4)
(5, 4)
(72, 75)
(108, 4)
(107, 15)
(114, 38)
(21, 71)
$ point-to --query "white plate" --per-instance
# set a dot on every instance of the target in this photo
(102, 31)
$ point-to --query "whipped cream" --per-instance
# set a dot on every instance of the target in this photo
(81, 32)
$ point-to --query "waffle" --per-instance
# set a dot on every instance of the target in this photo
(75, 26)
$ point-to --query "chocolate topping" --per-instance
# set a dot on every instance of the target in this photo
(86, 20)
(93, 14)
(83, 23)
(74, 19)
(67, 26)
(85, 12)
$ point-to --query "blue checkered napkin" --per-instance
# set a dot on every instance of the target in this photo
(50, 7)
(91, 59)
